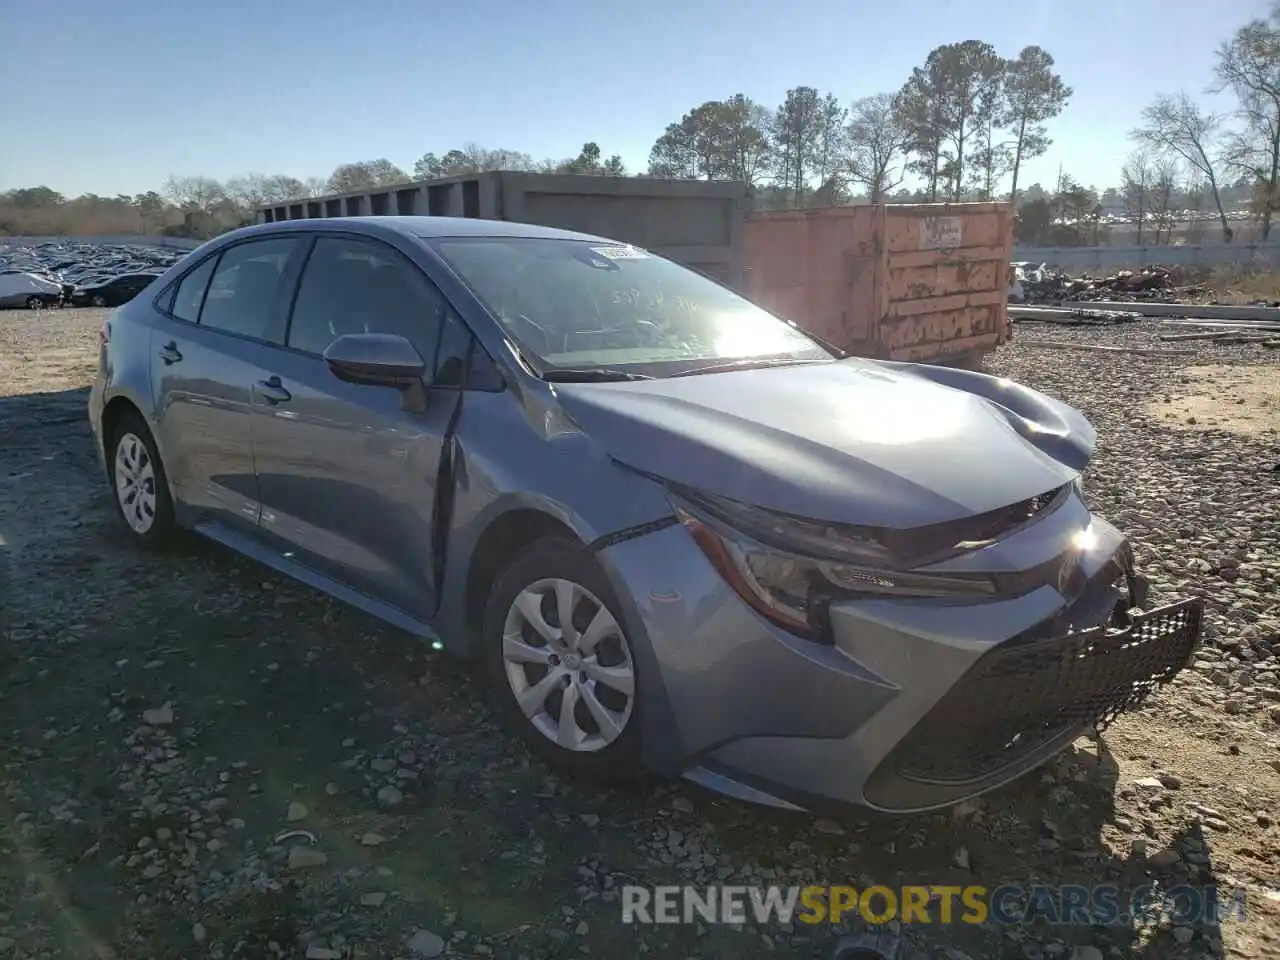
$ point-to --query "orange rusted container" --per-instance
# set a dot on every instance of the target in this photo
(924, 282)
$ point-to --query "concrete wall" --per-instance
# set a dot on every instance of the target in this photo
(1107, 259)
(123, 239)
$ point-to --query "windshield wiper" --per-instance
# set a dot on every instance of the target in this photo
(590, 375)
(746, 363)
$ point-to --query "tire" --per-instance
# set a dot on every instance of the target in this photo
(98, 300)
(606, 752)
(35, 303)
(139, 485)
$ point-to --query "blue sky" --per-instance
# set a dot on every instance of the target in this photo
(113, 97)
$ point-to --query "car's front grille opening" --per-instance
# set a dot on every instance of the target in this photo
(919, 546)
(1024, 694)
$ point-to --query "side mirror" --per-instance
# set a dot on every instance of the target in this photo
(378, 359)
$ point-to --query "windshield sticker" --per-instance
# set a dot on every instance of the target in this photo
(627, 252)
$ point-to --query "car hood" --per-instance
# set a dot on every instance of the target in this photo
(856, 441)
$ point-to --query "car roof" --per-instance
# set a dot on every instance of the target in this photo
(421, 227)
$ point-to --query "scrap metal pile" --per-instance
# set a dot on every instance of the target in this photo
(60, 273)
(1041, 283)
(1039, 295)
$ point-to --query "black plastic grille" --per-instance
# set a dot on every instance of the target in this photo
(1025, 693)
(929, 544)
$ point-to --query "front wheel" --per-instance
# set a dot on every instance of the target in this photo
(141, 488)
(98, 300)
(560, 665)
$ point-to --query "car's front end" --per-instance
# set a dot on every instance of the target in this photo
(884, 586)
(798, 680)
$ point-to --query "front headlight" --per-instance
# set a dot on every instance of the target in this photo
(790, 570)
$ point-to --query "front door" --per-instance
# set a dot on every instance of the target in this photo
(346, 474)
(203, 366)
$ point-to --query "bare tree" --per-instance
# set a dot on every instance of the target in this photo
(1194, 190)
(1136, 178)
(1249, 65)
(877, 141)
(385, 173)
(248, 190)
(254, 189)
(1164, 177)
(281, 187)
(365, 175)
(471, 158)
(1176, 126)
(1033, 95)
(194, 193)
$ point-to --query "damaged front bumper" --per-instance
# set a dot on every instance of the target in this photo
(915, 705)
(1030, 696)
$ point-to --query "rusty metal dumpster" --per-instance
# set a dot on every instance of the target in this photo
(923, 282)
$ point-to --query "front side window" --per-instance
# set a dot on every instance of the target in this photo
(575, 303)
(356, 286)
(244, 293)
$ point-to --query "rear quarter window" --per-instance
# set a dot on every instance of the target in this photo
(190, 292)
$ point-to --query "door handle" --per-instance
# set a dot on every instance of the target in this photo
(271, 391)
(170, 353)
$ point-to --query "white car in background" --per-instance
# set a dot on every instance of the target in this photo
(28, 290)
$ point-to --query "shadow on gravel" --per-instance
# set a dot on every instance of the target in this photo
(39, 411)
(168, 721)
(29, 423)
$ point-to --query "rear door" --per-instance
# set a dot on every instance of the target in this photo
(204, 367)
(347, 476)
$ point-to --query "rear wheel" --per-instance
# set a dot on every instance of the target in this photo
(98, 300)
(559, 664)
(139, 482)
(34, 303)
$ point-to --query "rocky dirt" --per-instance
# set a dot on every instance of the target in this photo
(1238, 399)
(201, 759)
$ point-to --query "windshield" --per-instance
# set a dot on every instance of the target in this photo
(578, 304)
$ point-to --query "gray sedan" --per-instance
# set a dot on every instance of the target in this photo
(680, 534)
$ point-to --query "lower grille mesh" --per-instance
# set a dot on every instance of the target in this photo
(1025, 693)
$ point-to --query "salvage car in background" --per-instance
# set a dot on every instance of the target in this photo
(678, 532)
(18, 289)
(110, 291)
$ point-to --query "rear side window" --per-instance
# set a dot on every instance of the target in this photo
(190, 294)
(244, 293)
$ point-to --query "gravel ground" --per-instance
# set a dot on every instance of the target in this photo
(165, 720)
